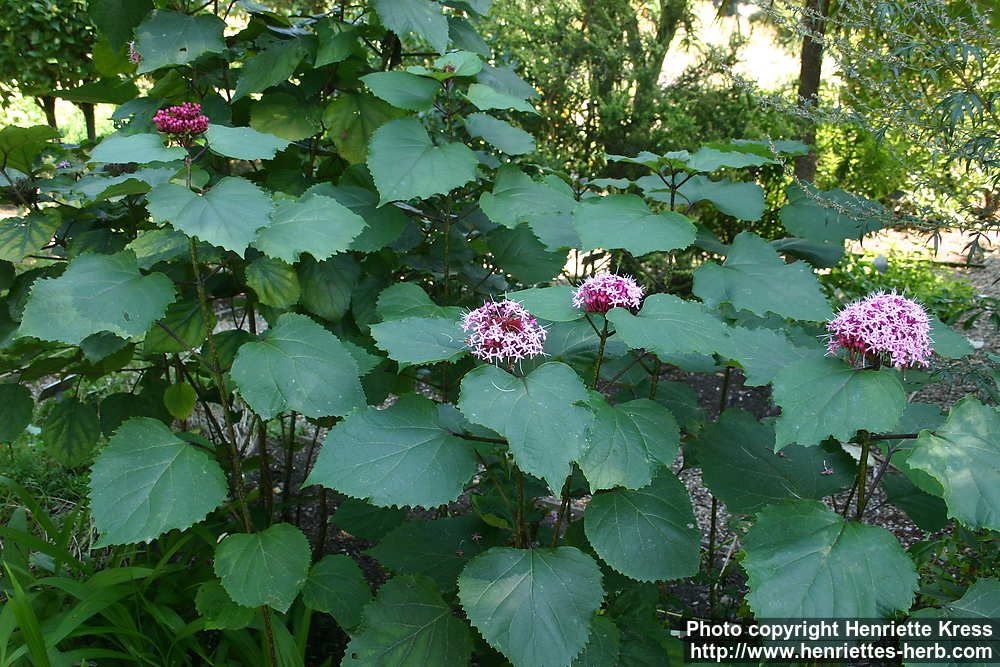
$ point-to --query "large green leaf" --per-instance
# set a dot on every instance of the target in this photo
(554, 304)
(929, 512)
(533, 605)
(402, 300)
(351, 120)
(228, 216)
(547, 206)
(669, 325)
(755, 278)
(538, 414)
(96, 293)
(102, 91)
(16, 408)
(336, 42)
(421, 17)
(421, 340)
(948, 343)
(319, 225)
(981, 602)
(409, 625)
(403, 90)
(485, 97)
(500, 134)
(116, 19)
(187, 327)
(336, 586)
(141, 148)
(169, 38)
(384, 225)
(97, 188)
(437, 549)
(649, 534)
(715, 156)
(627, 443)
(147, 481)
(20, 237)
(274, 282)
(158, 245)
(625, 222)
(743, 201)
(20, 146)
(824, 397)
(298, 365)
(272, 66)
(118, 408)
(830, 216)
(763, 352)
(401, 455)
(218, 609)
(285, 115)
(805, 561)
(265, 568)
(963, 455)
(603, 647)
(366, 521)
(740, 466)
(327, 285)
(244, 143)
(520, 253)
(406, 164)
(70, 432)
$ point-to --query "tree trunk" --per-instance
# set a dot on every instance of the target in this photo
(810, 75)
(48, 104)
(88, 117)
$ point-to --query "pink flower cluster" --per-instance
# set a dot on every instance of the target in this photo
(882, 328)
(601, 293)
(183, 121)
(134, 56)
(503, 331)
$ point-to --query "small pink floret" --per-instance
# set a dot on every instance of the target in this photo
(601, 293)
(883, 327)
(183, 121)
(503, 332)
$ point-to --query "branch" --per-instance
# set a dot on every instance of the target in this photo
(479, 438)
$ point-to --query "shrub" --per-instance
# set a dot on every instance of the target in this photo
(324, 256)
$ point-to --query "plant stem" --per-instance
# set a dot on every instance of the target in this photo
(713, 593)
(289, 464)
(712, 532)
(862, 482)
(480, 438)
(496, 482)
(561, 516)
(324, 519)
(655, 379)
(305, 473)
(600, 355)
(611, 382)
(227, 414)
(878, 477)
(521, 532)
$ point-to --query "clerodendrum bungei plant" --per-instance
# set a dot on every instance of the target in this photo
(324, 221)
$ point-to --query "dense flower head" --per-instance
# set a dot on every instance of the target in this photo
(133, 55)
(884, 328)
(184, 120)
(503, 331)
(601, 293)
